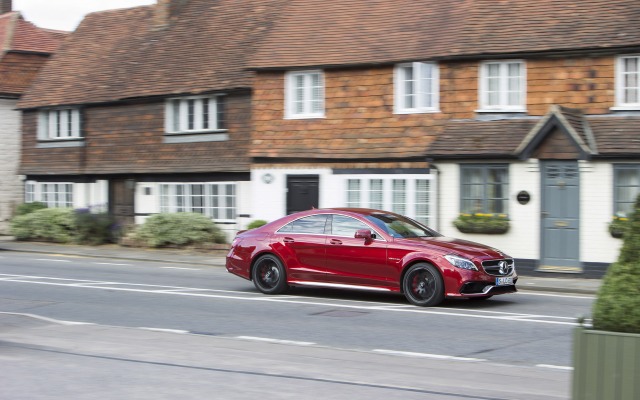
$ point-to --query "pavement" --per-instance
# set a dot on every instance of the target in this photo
(557, 283)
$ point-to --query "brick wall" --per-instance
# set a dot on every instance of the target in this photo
(10, 183)
(129, 139)
(360, 122)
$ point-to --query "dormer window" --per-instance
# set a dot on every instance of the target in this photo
(59, 124)
(195, 114)
(628, 82)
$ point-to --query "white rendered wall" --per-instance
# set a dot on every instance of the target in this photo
(523, 238)
(11, 187)
(596, 211)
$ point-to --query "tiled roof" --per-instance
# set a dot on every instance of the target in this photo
(474, 139)
(380, 31)
(118, 54)
(611, 135)
(24, 48)
(16, 34)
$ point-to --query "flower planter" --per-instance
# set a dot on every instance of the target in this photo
(606, 365)
(488, 224)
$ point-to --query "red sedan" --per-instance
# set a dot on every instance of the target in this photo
(368, 249)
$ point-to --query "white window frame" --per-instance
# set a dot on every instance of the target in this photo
(621, 104)
(421, 97)
(308, 99)
(59, 124)
(53, 194)
(408, 203)
(216, 203)
(503, 85)
(178, 122)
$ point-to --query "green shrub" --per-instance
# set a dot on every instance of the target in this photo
(617, 307)
(27, 208)
(179, 229)
(256, 224)
(95, 228)
(49, 224)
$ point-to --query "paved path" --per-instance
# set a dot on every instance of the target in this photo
(564, 284)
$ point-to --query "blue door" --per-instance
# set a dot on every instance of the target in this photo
(560, 245)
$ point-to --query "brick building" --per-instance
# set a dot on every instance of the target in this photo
(147, 110)
(24, 48)
(436, 109)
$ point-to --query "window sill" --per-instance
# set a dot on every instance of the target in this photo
(625, 108)
(318, 116)
(501, 110)
(203, 132)
(216, 136)
(54, 143)
(406, 112)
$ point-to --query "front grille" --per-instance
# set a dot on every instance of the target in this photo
(498, 267)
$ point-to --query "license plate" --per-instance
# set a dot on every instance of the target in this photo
(507, 280)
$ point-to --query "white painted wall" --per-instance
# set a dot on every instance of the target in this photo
(269, 199)
(523, 238)
(11, 186)
(596, 211)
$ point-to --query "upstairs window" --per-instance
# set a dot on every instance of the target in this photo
(628, 82)
(502, 86)
(59, 124)
(485, 189)
(195, 114)
(416, 87)
(304, 94)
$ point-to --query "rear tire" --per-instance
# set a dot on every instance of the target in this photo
(268, 275)
(423, 285)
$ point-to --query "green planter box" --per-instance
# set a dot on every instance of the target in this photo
(606, 365)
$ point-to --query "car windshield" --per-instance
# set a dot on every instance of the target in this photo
(398, 226)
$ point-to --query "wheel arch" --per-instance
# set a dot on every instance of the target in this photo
(413, 262)
(258, 255)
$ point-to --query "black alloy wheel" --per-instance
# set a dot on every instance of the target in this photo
(268, 275)
(423, 285)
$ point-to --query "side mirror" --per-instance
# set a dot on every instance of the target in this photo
(365, 234)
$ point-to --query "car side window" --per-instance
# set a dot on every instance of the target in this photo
(346, 226)
(314, 224)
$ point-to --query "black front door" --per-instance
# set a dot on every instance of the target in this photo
(302, 192)
(121, 201)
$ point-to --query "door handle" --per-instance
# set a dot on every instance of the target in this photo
(288, 240)
(335, 241)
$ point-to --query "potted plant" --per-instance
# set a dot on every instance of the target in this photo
(606, 356)
(617, 226)
(491, 224)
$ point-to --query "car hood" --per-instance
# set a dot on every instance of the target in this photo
(447, 245)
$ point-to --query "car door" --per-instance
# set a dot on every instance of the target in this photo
(301, 246)
(356, 261)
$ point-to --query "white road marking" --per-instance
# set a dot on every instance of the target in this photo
(46, 319)
(52, 260)
(566, 296)
(236, 295)
(561, 367)
(187, 269)
(426, 355)
(277, 341)
(116, 264)
(178, 331)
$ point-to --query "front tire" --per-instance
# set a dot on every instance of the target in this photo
(268, 275)
(423, 285)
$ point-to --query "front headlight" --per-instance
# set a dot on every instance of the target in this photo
(460, 262)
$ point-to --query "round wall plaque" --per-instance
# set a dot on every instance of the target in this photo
(523, 197)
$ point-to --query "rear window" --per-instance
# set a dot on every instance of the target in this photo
(314, 224)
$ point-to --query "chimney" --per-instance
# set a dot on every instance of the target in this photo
(6, 6)
(164, 11)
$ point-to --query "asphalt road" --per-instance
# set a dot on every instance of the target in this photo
(104, 329)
